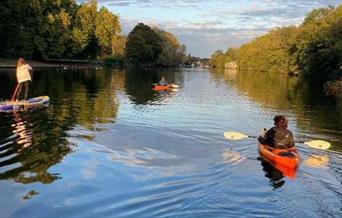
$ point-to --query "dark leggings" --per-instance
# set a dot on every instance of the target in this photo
(26, 84)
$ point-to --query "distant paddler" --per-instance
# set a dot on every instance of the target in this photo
(163, 82)
(163, 85)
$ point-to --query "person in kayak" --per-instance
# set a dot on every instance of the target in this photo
(163, 82)
(278, 136)
(24, 76)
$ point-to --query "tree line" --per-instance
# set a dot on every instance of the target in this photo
(312, 49)
(64, 29)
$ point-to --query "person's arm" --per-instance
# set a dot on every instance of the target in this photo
(262, 136)
(30, 70)
(268, 138)
(291, 142)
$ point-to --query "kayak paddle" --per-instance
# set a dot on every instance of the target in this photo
(318, 144)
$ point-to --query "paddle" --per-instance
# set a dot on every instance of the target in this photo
(15, 92)
(318, 144)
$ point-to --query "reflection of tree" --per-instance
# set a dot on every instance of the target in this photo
(87, 95)
(33, 141)
(283, 93)
(271, 89)
(8, 82)
(32, 150)
(139, 83)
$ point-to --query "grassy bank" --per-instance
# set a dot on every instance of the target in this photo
(11, 63)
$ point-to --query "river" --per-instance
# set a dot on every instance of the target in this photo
(108, 145)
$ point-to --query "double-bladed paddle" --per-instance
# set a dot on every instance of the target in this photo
(317, 144)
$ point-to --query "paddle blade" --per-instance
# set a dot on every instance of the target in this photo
(317, 161)
(234, 135)
(318, 144)
(174, 86)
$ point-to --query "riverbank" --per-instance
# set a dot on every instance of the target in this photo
(48, 63)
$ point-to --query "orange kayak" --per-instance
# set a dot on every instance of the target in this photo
(161, 88)
(288, 158)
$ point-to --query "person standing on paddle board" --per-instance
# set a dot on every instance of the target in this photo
(278, 136)
(163, 82)
(23, 76)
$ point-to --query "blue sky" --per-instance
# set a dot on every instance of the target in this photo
(208, 25)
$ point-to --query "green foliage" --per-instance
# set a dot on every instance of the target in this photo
(314, 48)
(173, 52)
(84, 29)
(119, 45)
(334, 88)
(318, 46)
(217, 59)
(35, 28)
(107, 28)
(143, 45)
(56, 29)
(63, 29)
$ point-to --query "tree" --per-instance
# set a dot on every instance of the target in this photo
(84, 29)
(119, 45)
(143, 45)
(107, 29)
(35, 28)
(172, 51)
(217, 59)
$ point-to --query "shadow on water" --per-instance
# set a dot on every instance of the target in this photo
(275, 176)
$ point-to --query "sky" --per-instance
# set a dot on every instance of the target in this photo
(205, 26)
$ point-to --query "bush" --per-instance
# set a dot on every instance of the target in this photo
(334, 88)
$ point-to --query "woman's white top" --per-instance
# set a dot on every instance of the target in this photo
(23, 73)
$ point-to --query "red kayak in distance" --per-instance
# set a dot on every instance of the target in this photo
(161, 88)
(285, 160)
(173, 87)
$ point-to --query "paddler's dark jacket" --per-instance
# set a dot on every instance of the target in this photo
(278, 138)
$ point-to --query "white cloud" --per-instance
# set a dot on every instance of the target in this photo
(213, 24)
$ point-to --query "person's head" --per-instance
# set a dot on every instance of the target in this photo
(280, 121)
(163, 78)
(20, 62)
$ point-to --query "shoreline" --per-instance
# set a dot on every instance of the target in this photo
(48, 63)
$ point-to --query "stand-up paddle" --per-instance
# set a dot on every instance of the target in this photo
(15, 92)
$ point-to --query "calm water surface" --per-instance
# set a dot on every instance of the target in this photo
(108, 145)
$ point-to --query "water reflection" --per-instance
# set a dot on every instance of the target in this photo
(317, 161)
(138, 84)
(30, 194)
(164, 153)
(311, 110)
(32, 141)
(24, 134)
(25, 157)
(275, 176)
